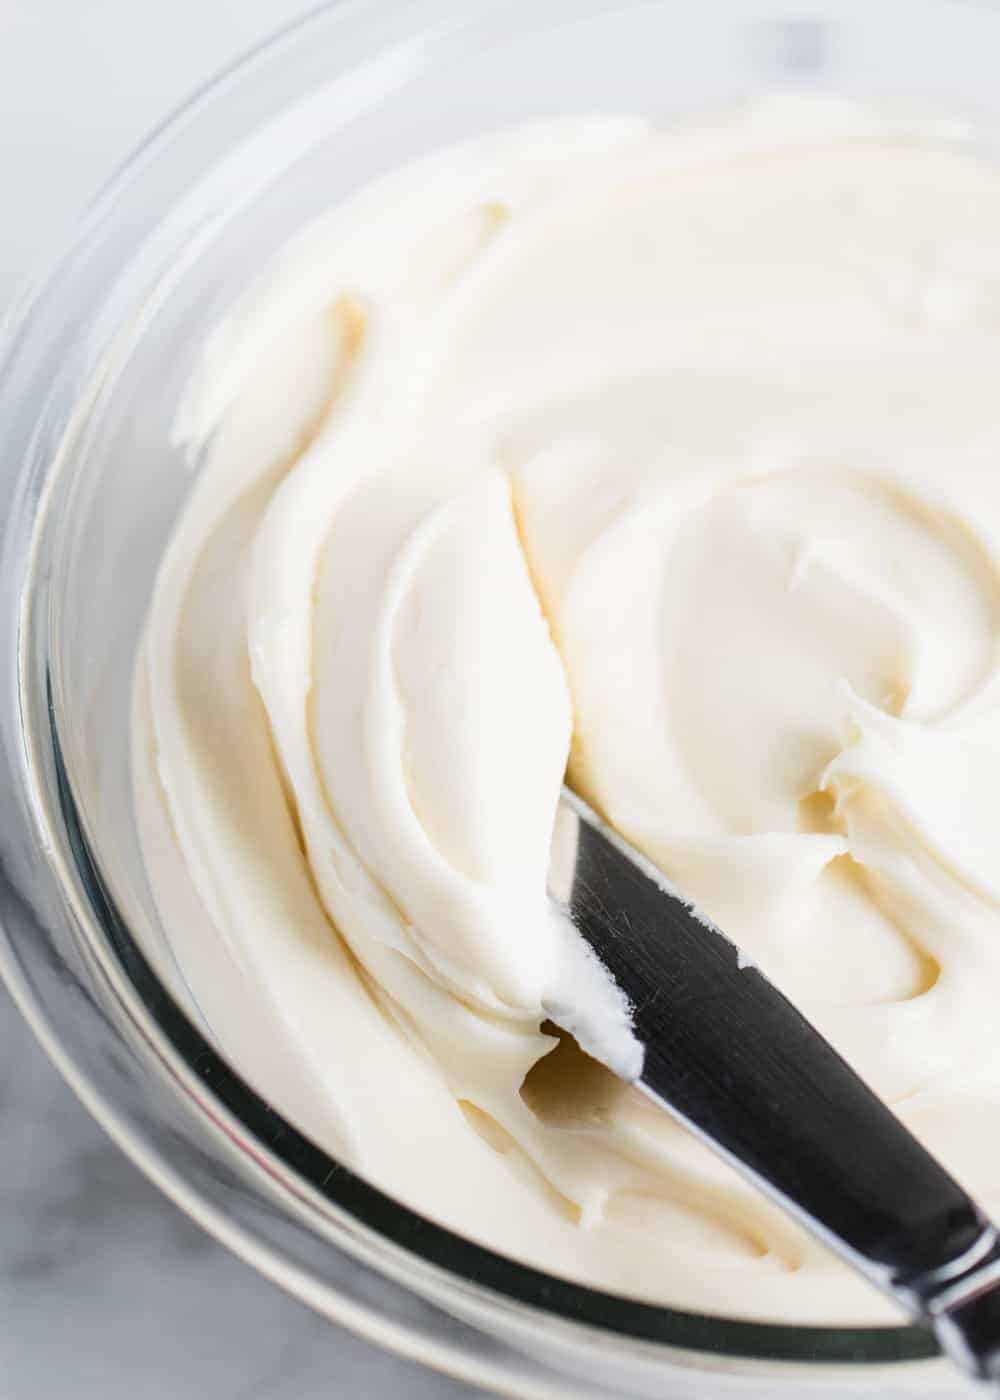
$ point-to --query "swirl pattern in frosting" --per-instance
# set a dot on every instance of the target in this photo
(667, 459)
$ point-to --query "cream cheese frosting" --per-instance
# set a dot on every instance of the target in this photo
(664, 459)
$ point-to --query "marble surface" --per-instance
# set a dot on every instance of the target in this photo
(106, 1289)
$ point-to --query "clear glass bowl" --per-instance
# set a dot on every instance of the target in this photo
(92, 375)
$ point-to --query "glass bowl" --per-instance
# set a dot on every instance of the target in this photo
(93, 370)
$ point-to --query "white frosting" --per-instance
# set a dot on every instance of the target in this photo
(673, 454)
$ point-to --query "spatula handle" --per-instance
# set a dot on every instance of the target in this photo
(735, 1061)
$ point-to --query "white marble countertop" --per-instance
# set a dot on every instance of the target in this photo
(106, 1290)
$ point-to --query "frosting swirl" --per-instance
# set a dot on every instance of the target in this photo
(665, 458)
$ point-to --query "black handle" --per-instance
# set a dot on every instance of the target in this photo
(730, 1056)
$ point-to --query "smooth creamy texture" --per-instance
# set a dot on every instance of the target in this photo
(675, 454)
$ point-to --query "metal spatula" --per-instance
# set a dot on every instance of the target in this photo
(734, 1060)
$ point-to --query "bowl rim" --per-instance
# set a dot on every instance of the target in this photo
(180, 1043)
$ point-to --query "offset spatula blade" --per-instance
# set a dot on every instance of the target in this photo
(732, 1058)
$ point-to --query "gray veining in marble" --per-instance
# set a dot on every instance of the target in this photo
(107, 1290)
